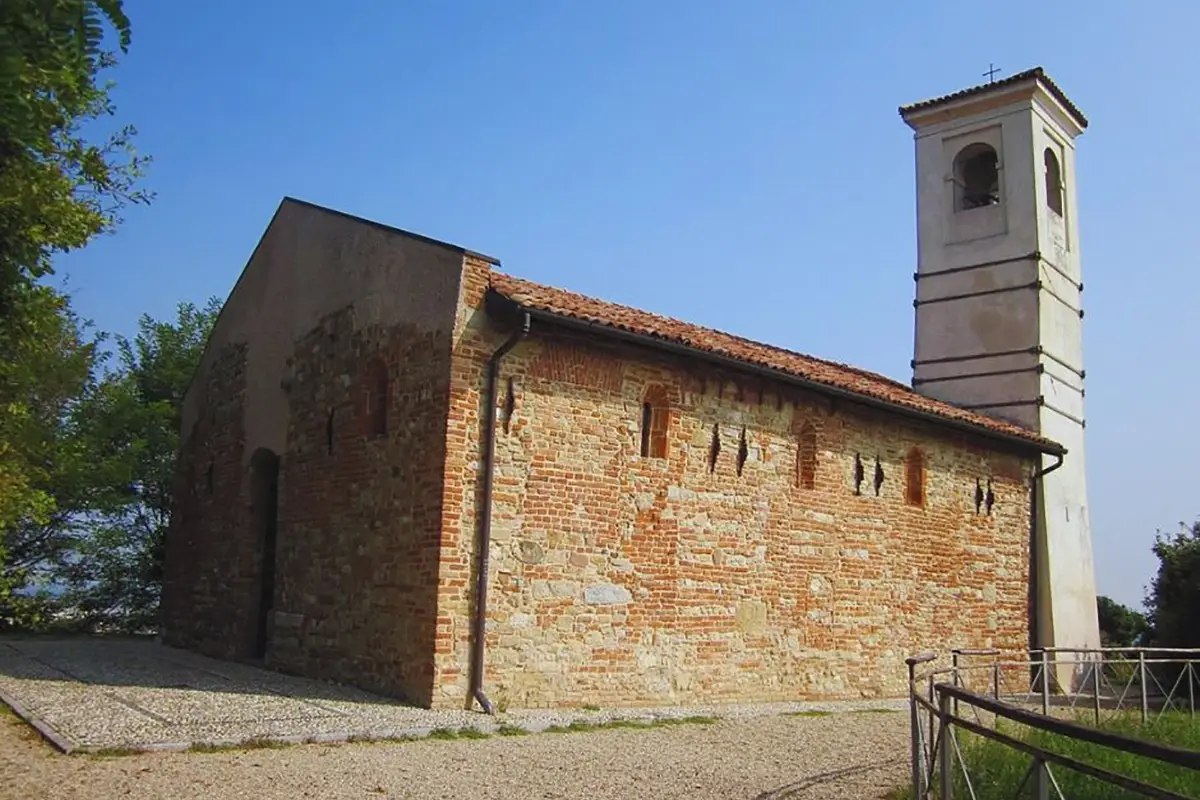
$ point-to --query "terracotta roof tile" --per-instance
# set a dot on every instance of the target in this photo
(1037, 73)
(868, 385)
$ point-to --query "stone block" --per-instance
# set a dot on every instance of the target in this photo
(606, 594)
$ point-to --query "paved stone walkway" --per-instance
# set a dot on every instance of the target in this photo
(93, 694)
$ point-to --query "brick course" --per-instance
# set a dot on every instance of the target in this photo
(212, 561)
(360, 513)
(619, 579)
(748, 563)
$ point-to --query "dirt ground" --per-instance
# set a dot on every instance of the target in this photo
(843, 755)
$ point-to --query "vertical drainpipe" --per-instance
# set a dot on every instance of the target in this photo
(1035, 565)
(485, 516)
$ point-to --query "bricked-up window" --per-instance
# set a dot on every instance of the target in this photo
(654, 423)
(375, 399)
(914, 478)
(806, 456)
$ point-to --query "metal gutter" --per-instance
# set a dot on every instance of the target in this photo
(485, 517)
(503, 305)
(1035, 563)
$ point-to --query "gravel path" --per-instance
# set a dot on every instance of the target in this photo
(94, 694)
(844, 755)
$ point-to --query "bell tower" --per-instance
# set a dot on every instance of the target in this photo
(999, 316)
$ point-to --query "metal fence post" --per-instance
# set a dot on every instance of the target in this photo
(945, 750)
(1041, 780)
(954, 671)
(915, 727)
(1096, 687)
(929, 730)
(1142, 680)
(996, 679)
(1191, 677)
(1045, 681)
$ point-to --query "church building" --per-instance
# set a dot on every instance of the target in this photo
(407, 469)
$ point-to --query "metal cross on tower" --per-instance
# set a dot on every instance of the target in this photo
(991, 73)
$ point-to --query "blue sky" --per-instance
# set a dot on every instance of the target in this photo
(740, 165)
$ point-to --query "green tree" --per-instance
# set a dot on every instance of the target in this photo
(1174, 597)
(1121, 626)
(129, 429)
(58, 190)
(44, 473)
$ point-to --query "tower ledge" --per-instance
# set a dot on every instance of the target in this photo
(1022, 85)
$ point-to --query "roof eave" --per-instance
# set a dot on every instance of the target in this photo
(507, 308)
(916, 114)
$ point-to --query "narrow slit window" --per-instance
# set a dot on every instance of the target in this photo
(647, 418)
(914, 478)
(375, 400)
(806, 457)
(714, 448)
(743, 452)
(510, 404)
(655, 418)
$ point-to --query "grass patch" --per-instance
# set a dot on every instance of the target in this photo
(696, 719)
(630, 723)
(875, 711)
(578, 726)
(812, 713)
(114, 752)
(472, 733)
(582, 726)
(591, 707)
(443, 733)
(366, 738)
(257, 743)
(512, 730)
(996, 770)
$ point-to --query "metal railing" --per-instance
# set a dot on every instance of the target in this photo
(1066, 692)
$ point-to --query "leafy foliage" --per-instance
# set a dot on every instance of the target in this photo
(103, 545)
(1174, 597)
(1121, 626)
(41, 464)
(57, 191)
(114, 577)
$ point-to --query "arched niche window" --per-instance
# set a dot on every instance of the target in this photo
(1054, 187)
(806, 456)
(375, 398)
(655, 409)
(976, 177)
(914, 478)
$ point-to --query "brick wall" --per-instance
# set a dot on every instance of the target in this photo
(211, 563)
(360, 513)
(618, 579)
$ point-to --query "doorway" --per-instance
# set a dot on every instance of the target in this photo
(264, 470)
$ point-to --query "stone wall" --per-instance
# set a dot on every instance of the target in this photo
(212, 561)
(360, 512)
(621, 579)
